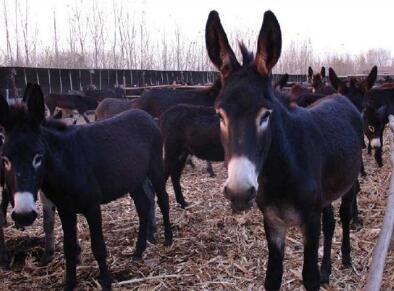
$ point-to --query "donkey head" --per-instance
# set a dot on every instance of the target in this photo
(23, 153)
(355, 90)
(317, 80)
(374, 121)
(244, 106)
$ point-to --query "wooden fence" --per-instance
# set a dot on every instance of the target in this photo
(63, 80)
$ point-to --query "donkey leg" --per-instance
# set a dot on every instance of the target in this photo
(141, 202)
(275, 234)
(70, 247)
(345, 212)
(356, 222)
(158, 181)
(49, 223)
(176, 178)
(328, 231)
(310, 271)
(369, 151)
(5, 257)
(93, 217)
(150, 193)
(210, 169)
(378, 156)
(5, 201)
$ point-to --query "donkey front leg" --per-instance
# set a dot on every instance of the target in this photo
(310, 272)
(141, 202)
(328, 232)
(150, 193)
(69, 220)
(93, 217)
(5, 257)
(345, 212)
(275, 234)
(49, 223)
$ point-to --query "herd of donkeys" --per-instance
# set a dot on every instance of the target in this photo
(292, 150)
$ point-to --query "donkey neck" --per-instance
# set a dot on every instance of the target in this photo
(285, 127)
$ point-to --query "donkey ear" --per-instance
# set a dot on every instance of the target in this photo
(27, 92)
(269, 44)
(310, 73)
(35, 103)
(335, 81)
(219, 50)
(370, 80)
(4, 110)
(323, 72)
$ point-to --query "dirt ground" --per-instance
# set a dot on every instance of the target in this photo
(212, 248)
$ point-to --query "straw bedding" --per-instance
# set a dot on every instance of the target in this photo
(212, 248)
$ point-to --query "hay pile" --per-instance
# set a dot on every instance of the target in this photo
(212, 248)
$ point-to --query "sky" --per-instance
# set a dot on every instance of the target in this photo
(332, 26)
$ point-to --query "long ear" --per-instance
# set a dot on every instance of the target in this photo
(370, 80)
(27, 92)
(310, 73)
(219, 50)
(4, 110)
(335, 81)
(35, 103)
(323, 72)
(269, 44)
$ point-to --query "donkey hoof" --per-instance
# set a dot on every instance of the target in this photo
(5, 259)
(151, 238)
(347, 264)
(46, 258)
(136, 257)
(168, 241)
(105, 284)
(184, 204)
(70, 286)
(324, 279)
(356, 224)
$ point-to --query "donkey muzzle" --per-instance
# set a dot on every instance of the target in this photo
(241, 201)
(24, 212)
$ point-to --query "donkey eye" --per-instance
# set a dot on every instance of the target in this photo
(371, 128)
(220, 116)
(6, 162)
(265, 117)
(37, 161)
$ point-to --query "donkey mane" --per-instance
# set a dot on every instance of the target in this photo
(247, 55)
(57, 125)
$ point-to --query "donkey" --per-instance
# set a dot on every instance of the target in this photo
(318, 82)
(293, 162)
(355, 90)
(157, 101)
(48, 212)
(379, 104)
(79, 168)
(188, 130)
(112, 106)
(71, 102)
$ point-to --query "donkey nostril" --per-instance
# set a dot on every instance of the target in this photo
(24, 219)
